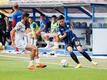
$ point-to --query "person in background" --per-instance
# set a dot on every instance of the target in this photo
(54, 26)
(44, 29)
(33, 35)
(16, 17)
(3, 28)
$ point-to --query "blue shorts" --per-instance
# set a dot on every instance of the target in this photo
(75, 43)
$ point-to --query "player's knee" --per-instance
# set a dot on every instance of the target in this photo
(28, 30)
(56, 38)
(46, 37)
(37, 54)
(69, 48)
(12, 32)
(79, 48)
(34, 36)
(33, 50)
(38, 33)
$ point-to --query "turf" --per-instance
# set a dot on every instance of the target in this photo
(15, 69)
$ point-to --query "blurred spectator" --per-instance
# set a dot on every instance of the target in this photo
(44, 28)
(44, 23)
(3, 28)
(54, 26)
(34, 31)
(16, 17)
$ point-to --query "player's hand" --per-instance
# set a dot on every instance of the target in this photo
(61, 37)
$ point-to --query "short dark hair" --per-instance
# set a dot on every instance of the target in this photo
(31, 17)
(60, 17)
(42, 15)
(25, 15)
(54, 16)
(16, 6)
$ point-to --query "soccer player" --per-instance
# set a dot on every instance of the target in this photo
(65, 33)
(20, 42)
(16, 15)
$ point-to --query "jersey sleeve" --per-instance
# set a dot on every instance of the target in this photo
(58, 31)
(37, 27)
(68, 26)
(33, 26)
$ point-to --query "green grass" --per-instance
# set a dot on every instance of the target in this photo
(15, 69)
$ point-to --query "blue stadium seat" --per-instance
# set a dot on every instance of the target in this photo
(84, 25)
(77, 25)
(104, 25)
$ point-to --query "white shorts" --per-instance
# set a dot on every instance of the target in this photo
(43, 34)
(21, 44)
(48, 34)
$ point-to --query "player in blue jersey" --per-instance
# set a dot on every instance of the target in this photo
(44, 28)
(66, 35)
(16, 15)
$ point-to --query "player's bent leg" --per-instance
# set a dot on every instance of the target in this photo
(46, 39)
(73, 56)
(33, 49)
(69, 48)
(34, 57)
(37, 61)
(38, 33)
(79, 48)
(56, 40)
(28, 30)
(34, 37)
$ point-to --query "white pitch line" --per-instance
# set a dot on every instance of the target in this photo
(96, 57)
(13, 57)
(51, 57)
(49, 62)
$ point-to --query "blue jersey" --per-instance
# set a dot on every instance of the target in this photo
(42, 25)
(17, 15)
(70, 35)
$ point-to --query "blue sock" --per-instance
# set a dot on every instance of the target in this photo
(74, 57)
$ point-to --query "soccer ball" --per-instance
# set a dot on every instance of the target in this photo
(64, 63)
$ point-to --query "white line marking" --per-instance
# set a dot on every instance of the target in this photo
(49, 62)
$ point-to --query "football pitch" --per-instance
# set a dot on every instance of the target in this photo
(13, 67)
